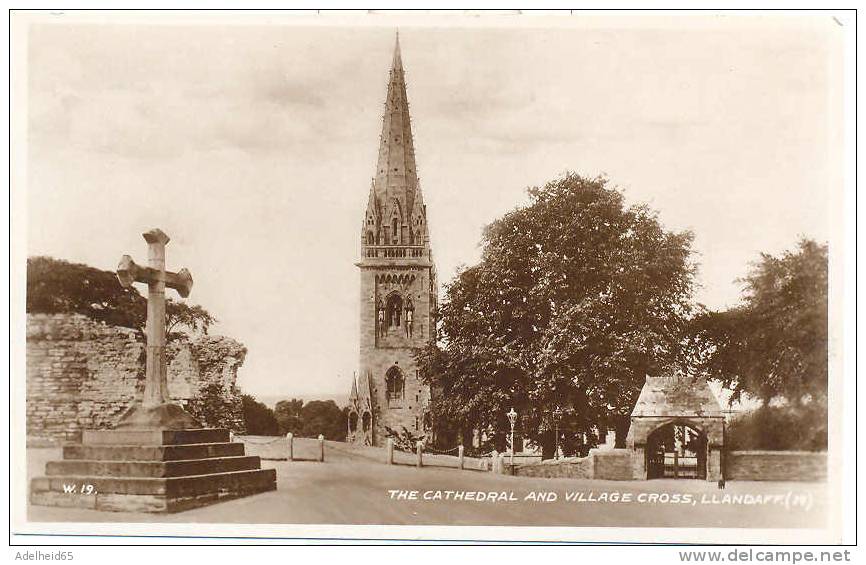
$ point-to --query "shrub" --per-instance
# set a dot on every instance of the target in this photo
(213, 406)
(780, 428)
(404, 440)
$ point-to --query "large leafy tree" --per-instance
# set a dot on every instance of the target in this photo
(576, 298)
(258, 418)
(288, 415)
(774, 344)
(324, 417)
(183, 320)
(312, 418)
(57, 286)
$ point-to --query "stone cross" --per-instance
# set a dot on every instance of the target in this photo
(155, 409)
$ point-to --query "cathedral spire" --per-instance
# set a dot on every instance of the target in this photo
(397, 62)
(397, 283)
(396, 180)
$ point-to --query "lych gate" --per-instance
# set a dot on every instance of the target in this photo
(676, 450)
(677, 430)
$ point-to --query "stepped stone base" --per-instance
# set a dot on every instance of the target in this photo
(166, 416)
(150, 471)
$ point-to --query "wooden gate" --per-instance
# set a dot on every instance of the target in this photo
(665, 460)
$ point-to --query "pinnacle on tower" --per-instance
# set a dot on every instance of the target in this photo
(354, 394)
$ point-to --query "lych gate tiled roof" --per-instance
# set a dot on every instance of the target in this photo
(677, 396)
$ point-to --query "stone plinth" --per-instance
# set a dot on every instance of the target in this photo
(150, 471)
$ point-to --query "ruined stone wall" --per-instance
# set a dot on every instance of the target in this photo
(83, 374)
(209, 360)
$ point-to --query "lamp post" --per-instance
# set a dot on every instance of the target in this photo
(557, 414)
(512, 417)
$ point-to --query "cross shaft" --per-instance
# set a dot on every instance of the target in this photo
(156, 409)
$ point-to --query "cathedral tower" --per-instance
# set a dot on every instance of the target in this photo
(398, 284)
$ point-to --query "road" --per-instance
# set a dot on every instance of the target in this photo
(353, 486)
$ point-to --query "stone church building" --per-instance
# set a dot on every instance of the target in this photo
(397, 283)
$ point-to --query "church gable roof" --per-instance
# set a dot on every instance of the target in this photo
(677, 396)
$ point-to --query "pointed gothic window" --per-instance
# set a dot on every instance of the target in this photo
(395, 382)
(394, 229)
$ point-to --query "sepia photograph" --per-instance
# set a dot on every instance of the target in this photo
(375, 275)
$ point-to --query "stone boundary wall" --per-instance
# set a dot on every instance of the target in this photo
(610, 464)
(450, 461)
(568, 467)
(776, 466)
(613, 464)
(83, 374)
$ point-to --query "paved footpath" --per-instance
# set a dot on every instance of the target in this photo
(352, 486)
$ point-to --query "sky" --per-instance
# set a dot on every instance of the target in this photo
(252, 142)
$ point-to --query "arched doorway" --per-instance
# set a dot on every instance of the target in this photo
(677, 450)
